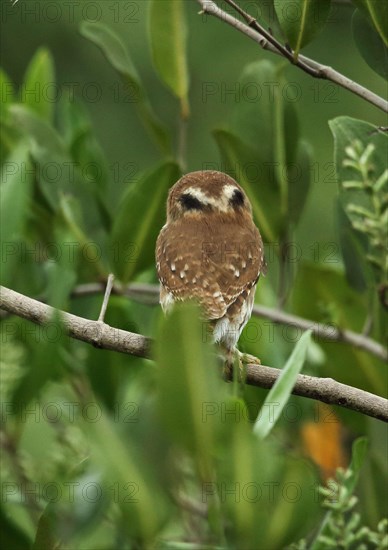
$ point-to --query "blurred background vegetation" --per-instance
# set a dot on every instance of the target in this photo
(100, 443)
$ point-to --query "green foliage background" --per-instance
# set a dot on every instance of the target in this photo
(131, 448)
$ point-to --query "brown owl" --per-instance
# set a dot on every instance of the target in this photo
(211, 251)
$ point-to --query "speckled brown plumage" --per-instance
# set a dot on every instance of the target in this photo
(210, 250)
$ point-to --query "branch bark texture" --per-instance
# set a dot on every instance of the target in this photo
(101, 335)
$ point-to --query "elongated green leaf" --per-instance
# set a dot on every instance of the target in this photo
(370, 45)
(301, 20)
(8, 134)
(46, 538)
(117, 55)
(168, 35)
(139, 220)
(281, 391)
(44, 363)
(353, 252)
(240, 161)
(189, 399)
(377, 11)
(333, 301)
(47, 149)
(143, 505)
(266, 15)
(12, 536)
(253, 120)
(38, 90)
(55, 172)
(61, 273)
(38, 131)
(299, 176)
(16, 190)
(7, 90)
(87, 153)
(267, 124)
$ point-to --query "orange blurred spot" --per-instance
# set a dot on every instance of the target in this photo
(322, 441)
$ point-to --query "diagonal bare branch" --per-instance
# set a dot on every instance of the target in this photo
(257, 33)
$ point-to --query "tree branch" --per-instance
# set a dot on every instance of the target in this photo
(96, 333)
(101, 335)
(257, 33)
(149, 294)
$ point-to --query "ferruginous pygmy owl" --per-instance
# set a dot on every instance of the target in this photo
(211, 251)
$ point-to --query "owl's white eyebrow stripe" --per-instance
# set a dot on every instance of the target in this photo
(196, 193)
(221, 204)
(228, 191)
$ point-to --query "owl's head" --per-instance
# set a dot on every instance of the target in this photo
(206, 192)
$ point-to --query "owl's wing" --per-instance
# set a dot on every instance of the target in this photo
(213, 267)
(240, 267)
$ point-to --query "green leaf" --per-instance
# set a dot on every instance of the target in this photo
(370, 45)
(267, 125)
(7, 90)
(359, 450)
(253, 120)
(353, 252)
(70, 231)
(38, 90)
(46, 348)
(8, 134)
(168, 36)
(360, 158)
(56, 172)
(238, 159)
(266, 16)
(301, 20)
(132, 247)
(140, 499)
(12, 536)
(16, 190)
(190, 391)
(46, 148)
(46, 538)
(299, 176)
(105, 370)
(118, 57)
(87, 154)
(332, 301)
(281, 390)
(377, 12)
(61, 271)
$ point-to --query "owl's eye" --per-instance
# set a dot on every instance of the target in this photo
(237, 199)
(191, 203)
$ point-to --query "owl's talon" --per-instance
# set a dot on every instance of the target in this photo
(249, 359)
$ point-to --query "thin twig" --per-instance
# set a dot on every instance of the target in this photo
(282, 50)
(315, 69)
(325, 333)
(108, 290)
(326, 390)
